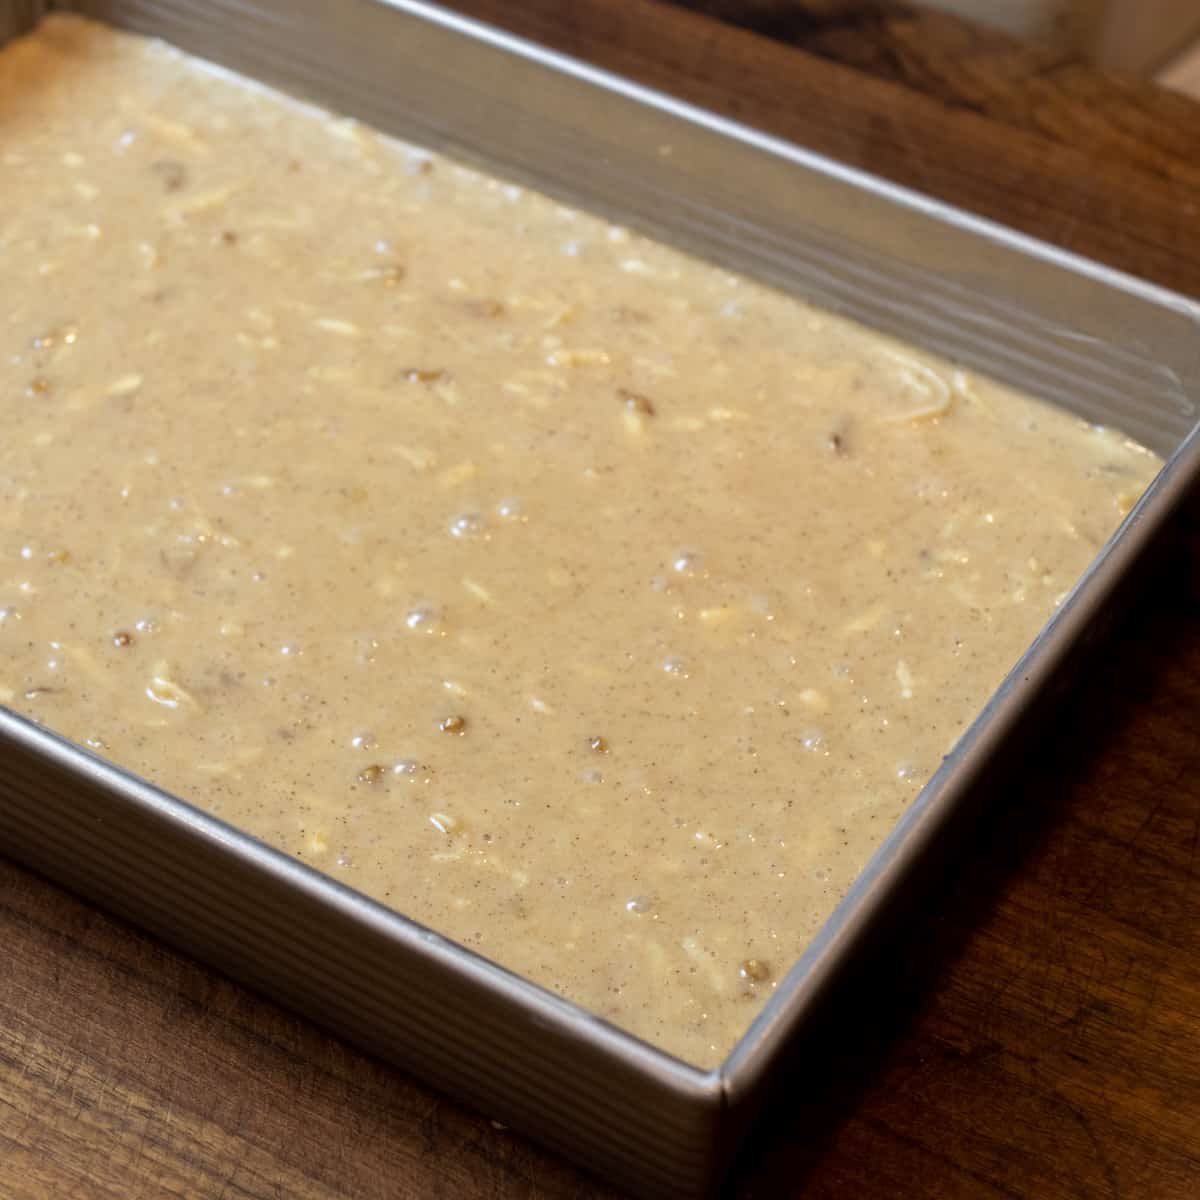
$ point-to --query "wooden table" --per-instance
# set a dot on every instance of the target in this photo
(1035, 1034)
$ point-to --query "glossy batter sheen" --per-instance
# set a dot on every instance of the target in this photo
(594, 606)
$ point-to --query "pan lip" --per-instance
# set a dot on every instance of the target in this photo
(747, 1063)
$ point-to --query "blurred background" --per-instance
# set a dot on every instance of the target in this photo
(1158, 38)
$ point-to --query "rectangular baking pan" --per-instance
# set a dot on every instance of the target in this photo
(1106, 346)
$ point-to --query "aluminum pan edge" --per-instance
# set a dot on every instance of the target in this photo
(1158, 368)
(1169, 333)
(503, 1043)
(1080, 620)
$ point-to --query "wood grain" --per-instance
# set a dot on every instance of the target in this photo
(1035, 1033)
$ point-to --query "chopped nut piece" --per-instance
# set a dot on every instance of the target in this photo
(423, 375)
(122, 638)
(636, 402)
(453, 724)
(598, 745)
(754, 970)
(371, 775)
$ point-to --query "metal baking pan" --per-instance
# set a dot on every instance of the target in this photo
(1115, 350)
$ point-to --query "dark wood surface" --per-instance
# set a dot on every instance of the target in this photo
(1035, 1033)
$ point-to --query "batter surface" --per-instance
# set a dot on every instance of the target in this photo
(596, 607)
